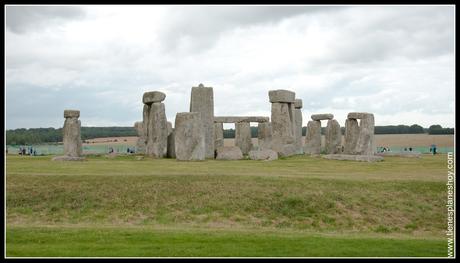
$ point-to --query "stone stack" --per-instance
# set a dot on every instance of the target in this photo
(243, 137)
(189, 137)
(71, 137)
(282, 120)
(298, 126)
(202, 101)
(155, 124)
(360, 140)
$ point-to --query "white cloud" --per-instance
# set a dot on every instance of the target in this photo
(395, 61)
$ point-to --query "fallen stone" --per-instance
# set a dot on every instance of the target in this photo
(229, 153)
(153, 96)
(268, 155)
(324, 116)
(281, 95)
(350, 157)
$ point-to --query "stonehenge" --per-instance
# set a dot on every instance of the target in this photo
(71, 137)
(267, 155)
(243, 137)
(282, 120)
(154, 124)
(264, 135)
(359, 138)
(202, 101)
(229, 153)
(189, 137)
(333, 136)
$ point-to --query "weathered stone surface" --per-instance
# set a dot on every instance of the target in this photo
(72, 137)
(141, 140)
(189, 136)
(351, 136)
(202, 101)
(157, 131)
(171, 151)
(287, 150)
(68, 158)
(265, 135)
(268, 155)
(313, 138)
(333, 137)
(298, 104)
(365, 143)
(71, 113)
(351, 157)
(358, 115)
(153, 96)
(282, 119)
(229, 153)
(281, 95)
(145, 123)
(235, 119)
(218, 135)
(243, 136)
(324, 116)
(169, 127)
(298, 130)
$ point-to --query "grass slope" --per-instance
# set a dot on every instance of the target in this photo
(400, 197)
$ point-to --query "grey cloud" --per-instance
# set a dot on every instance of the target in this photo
(200, 26)
(21, 19)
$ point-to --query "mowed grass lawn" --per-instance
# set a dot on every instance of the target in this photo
(297, 206)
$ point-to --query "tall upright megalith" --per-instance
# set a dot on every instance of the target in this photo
(72, 135)
(155, 124)
(264, 135)
(282, 120)
(243, 136)
(189, 137)
(202, 101)
(218, 135)
(141, 140)
(298, 126)
(351, 135)
(333, 137)
(313, 138)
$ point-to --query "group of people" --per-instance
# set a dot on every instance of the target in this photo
(23, 150)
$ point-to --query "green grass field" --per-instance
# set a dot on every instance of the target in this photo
(298, 206)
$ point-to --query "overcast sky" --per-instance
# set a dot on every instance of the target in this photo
(394, 61)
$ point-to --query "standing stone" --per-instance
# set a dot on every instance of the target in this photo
(171, 148)
(145, 126)
(218, 135)
(202, 101)
(157, 134)
(189, 136)
(72, 136)
(313, 138)
(282, 125)
(351, 136)
(333, 137)
(243, 136)
(140, 143)
(264, 135)
(365, 142)
(298, 126)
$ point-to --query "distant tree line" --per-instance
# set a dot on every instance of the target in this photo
(51, 135)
